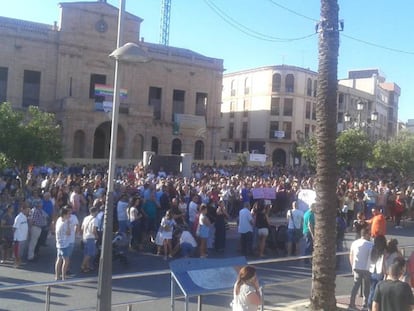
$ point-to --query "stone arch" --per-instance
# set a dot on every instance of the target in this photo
(102, 141)
(290, 83)
(176, 146)
(154, 144)
(279, 157)
(199, 150)
(138, 146)
(276, 82)
(78, 144)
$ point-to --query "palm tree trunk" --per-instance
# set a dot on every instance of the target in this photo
(323, 271)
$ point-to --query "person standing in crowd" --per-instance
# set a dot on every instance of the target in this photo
(245, 228)
(6, 234)
(359, 224)
(135, 217)
(393, 294)
(62, 234)
(295, 229)
(89, 236)
(74, 230)
(340, 232)
(359, 260)
(166, 230)
(37, 221)
(203, 230)
(164, 200)
(150, 208)
(246, 292)
(48, 208)
(349, 202)
(77, 200)
(308, 230)
(376, 265)
(262, 224)
(391, 253)
(122, 215)
(399, 208)
(370, 198)
(193, 210)
(378, 223)
(20, 233)
(220, 225)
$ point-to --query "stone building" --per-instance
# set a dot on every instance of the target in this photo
(169, 105)
(269, 110)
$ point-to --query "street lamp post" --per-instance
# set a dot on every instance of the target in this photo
(129, 52)
(357, 122)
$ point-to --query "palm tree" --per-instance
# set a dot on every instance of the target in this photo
(323, 270)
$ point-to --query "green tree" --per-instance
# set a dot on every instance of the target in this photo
(324, 255)
(353, 148)
(307, 149)
(28, 137)
(396, 154)
(242, 161)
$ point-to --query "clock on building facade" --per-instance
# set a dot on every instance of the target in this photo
(101, 26)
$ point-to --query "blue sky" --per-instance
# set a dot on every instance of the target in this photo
(254, 33)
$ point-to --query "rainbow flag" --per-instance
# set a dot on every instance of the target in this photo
(108, 90)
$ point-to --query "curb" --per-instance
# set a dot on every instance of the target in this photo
(302, 305)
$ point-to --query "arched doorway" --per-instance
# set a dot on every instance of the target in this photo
(176, 146)
(79, 144)
(154, 144)
(138, 147)
(279, 157)
(199, 150)
(102, 141)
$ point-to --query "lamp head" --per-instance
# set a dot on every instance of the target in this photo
(130, 52)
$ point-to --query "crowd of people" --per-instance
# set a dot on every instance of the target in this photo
(172, 215)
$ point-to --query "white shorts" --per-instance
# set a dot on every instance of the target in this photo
(263, 231)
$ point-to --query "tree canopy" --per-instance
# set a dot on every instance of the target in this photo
(28, 137)
(396, 154)
(353, 148)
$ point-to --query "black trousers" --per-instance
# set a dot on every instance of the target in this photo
(246, 240)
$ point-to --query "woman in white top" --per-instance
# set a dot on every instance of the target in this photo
(166, 231)
(63, 233)
(246, 292)
(203, 230)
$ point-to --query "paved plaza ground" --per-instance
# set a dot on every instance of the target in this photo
(287, 284)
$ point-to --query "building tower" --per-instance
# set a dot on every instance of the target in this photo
(165, 21)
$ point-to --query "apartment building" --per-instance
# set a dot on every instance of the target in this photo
(269, 110)
(169, 105)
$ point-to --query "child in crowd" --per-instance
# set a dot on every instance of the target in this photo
(166, 230)
(359, 224)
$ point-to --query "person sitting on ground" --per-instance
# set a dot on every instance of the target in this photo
(186, 243)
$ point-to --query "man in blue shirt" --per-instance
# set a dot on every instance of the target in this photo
(245, 229)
